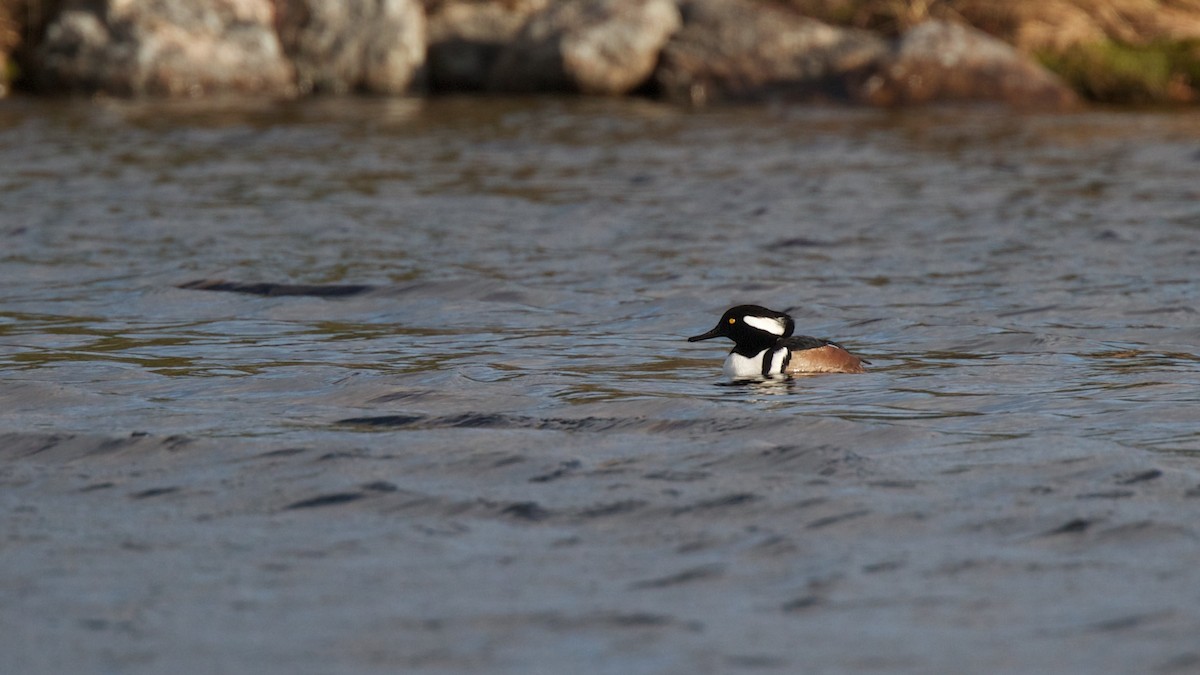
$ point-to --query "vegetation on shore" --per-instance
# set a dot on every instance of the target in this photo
(1113, 72)
(1111, 51)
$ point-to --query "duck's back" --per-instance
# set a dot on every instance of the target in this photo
(813, 355)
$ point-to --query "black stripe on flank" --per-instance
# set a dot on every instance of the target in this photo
(801, 342)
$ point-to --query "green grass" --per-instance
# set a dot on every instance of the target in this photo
(8, 73)
(1117, 73)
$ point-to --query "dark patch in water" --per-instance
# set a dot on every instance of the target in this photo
(832, 520)
(384, 420)
(176, 441)
(110, 445)
(50, 443)
(1124, 622)
(342, 454)
(504, 296)
(897, 484)
(531, 511)
(380, 486)
(1140, 477)
(708, 425)
(677, 476)
(563, 469)
(727, 501)
(640, 620)
(326, 500)
(612, 509)
(686, 576)
(274, 290)
(96, 486)
(476, 421)
(1110, 494)
(1074, 526)
(583, 424)
(799, 242)
(153, 492)
(1027, 310)
(884, 566)
(282, 452)
(801, 603)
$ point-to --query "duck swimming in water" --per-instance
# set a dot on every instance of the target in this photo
(764, 347)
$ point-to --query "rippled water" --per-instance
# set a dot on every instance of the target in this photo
(521, 426)
(1007, 275)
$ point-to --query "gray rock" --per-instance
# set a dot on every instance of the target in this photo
(938, 61)
(341, 46)
(736, 50)
(164, 47)
(466, 38)
(590, 46)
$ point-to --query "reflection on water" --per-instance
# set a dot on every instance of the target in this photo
(1009, 276)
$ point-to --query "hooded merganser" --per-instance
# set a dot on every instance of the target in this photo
(764, 347)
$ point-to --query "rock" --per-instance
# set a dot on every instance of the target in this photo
(938, 61)
(466, 38)
(10, 38)
(341, 46)
(736, 50)
(166, 48)
(591, 46)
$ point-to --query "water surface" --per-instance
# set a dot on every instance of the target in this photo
(1024, 286)
(1005, 273)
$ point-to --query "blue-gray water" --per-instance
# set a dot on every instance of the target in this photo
(581, 485)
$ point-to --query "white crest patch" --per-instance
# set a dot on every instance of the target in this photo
(766, 323)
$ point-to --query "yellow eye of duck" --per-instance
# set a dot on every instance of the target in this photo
(733, 321)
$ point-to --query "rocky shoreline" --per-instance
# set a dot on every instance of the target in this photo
(687, 51)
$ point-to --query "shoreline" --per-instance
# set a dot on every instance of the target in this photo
(689, 52)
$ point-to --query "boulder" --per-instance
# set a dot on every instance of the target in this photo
(341, 46)
(938, 61)
(162, 47)
(590, 46)
(10, 38)
(466, 38)
(737, 50)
